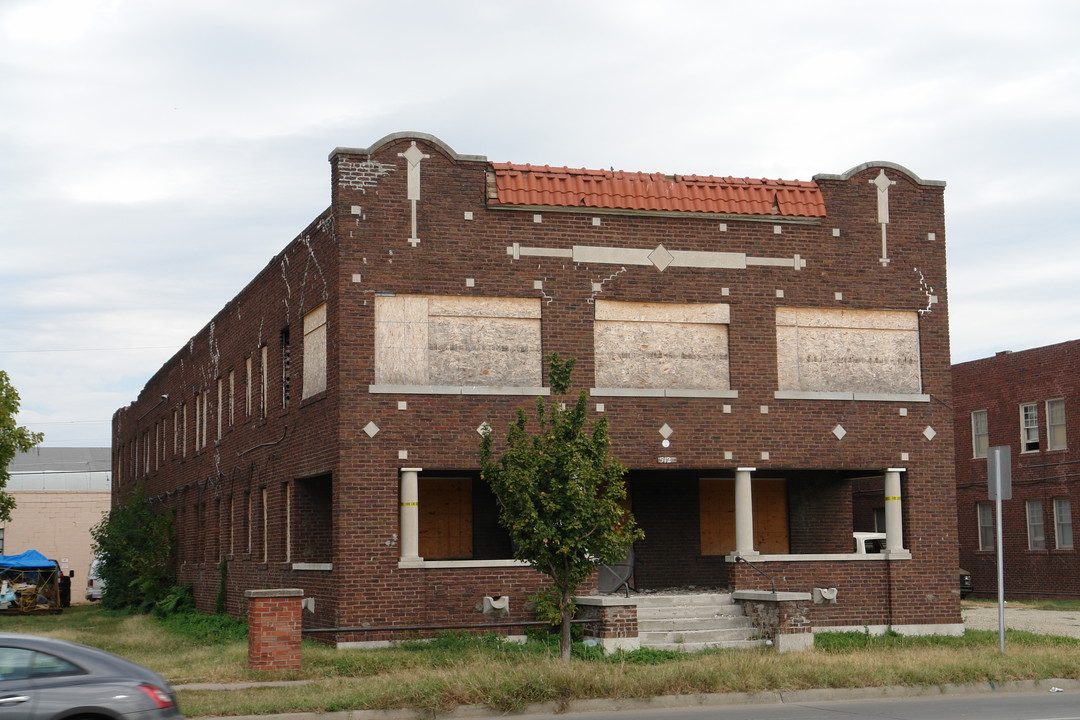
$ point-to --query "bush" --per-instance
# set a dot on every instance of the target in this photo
(134, 548)
(178, 600)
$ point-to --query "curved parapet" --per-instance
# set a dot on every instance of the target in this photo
(878, 164)
(407, 135)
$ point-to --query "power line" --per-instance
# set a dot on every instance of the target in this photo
(69, 422)
(140, 347)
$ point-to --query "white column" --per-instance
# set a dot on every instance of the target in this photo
(744, 512)
(410, 515)
(894, 511)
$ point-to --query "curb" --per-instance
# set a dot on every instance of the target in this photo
(772, 697)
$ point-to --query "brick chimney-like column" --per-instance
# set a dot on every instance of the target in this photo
(274, 629)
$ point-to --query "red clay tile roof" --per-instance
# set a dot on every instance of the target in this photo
(568, 187)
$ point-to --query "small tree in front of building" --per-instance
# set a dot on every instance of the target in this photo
(133, 545)
(13, 439)
(559, 492)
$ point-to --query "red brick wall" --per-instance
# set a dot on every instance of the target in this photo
(345, 258)
(999, 384)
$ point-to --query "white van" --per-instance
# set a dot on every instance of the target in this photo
(95, 586)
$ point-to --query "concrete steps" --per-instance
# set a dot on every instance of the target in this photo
(694, 622)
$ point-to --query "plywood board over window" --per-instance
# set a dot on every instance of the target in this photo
(661, 345)
(439, 340)
(445, 518)
(717, 516)
(315, 351)
(861, 351)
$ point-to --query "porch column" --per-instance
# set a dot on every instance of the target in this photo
(410, 515)
(894, 511)
(744, 512)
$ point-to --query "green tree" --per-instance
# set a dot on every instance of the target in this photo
(134, 548)
(13, 439)
(559, 492)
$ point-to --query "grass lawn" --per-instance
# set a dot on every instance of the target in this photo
(458, 669)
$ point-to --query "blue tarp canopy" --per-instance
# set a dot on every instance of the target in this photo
(29, 560)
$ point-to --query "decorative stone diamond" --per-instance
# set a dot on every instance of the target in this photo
(660, 257)
(930, 433)
(371, 429)
(413, 154)
(839, 432)
(483, 428)
(665, 431)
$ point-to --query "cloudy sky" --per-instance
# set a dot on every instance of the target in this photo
(155, 154)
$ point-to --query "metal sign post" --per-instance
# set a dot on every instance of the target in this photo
(999, 482)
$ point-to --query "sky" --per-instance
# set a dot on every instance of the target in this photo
(156, 154)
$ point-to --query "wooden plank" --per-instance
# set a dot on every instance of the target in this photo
(445, 526)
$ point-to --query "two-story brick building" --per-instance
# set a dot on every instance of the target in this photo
(1027, 401)
(766, 351)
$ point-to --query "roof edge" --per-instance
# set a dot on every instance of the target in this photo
(882, 164)
(410, 135)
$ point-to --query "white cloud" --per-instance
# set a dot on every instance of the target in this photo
(139, 139)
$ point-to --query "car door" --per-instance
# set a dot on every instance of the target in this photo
(17, 698)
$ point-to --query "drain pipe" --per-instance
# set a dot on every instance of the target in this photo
(741, 559)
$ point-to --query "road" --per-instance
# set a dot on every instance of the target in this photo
(1006, 706)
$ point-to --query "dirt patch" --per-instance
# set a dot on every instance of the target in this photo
(1042, 622)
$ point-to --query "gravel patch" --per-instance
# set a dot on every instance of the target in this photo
(1042, 622)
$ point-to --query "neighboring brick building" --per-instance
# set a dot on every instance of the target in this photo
(762, 349)
(1026, 400)
(60, 493)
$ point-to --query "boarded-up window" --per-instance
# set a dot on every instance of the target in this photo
(315, 351)
(865, 351)
(446, 527)
(661, 345)
(717, 515)
(457, 341)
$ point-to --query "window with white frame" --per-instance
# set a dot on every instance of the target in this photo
(1029, 427)
(247, 387)
(980, 435)
(1055, 424)
(1035, 529)
(264, 379)
(198, 420)
(1063, 535)
(986, 525)
(220, 407)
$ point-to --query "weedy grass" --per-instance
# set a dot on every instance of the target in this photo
(457, 668)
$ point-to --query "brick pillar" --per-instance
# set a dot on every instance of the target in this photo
(617, 628)
(780, 617)
(274, 629)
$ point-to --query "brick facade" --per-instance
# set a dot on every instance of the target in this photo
(1000, 385)
(308, 492)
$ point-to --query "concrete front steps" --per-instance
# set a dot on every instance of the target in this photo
(694, 622)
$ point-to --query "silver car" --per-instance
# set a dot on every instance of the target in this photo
(47, 679)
